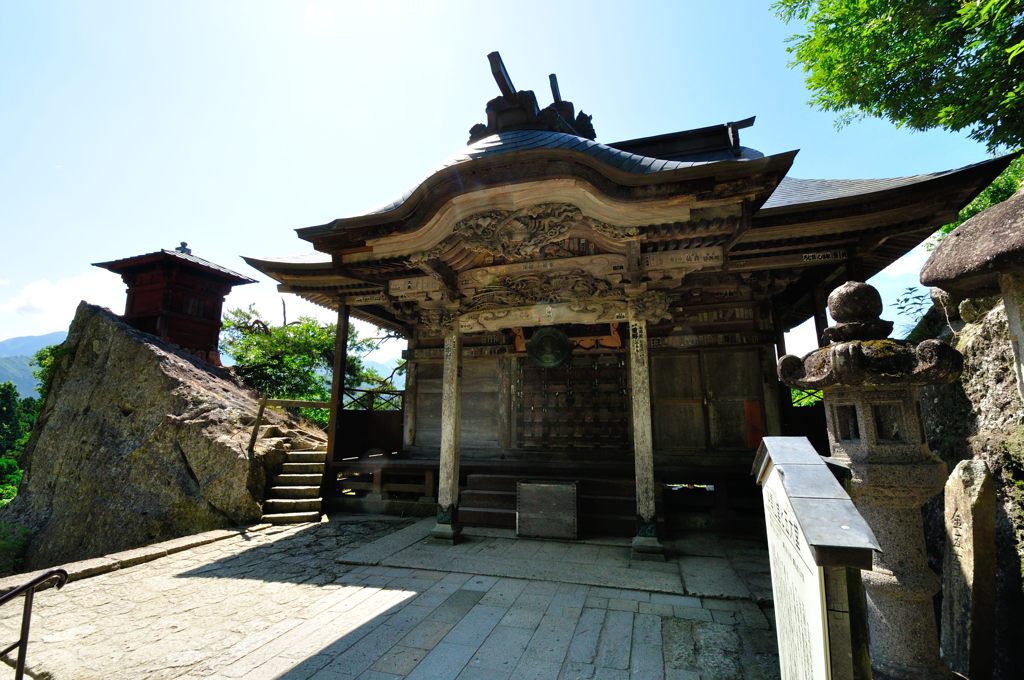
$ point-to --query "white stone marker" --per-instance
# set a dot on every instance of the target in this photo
(813, 531)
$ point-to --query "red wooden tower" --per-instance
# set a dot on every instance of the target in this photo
(177, 296)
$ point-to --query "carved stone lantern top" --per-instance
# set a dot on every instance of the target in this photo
(861, 354)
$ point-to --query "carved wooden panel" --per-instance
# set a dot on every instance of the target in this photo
(583, 404)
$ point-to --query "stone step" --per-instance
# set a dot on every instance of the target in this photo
(308, 446)
(302, 468)
(298, 480)
(289, 505)
(307, 456)
(496, 500)
(291, 517)
(294, 492)
(487, 517)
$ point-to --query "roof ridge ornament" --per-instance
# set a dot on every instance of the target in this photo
(518, 109)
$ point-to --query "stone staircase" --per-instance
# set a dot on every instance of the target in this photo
(295, 494)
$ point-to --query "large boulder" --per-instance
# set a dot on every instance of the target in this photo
(981, 417)
(139, 442)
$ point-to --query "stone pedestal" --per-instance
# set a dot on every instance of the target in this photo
(870, 385)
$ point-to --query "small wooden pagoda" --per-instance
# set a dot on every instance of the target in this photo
(610, 313)
(177, 297)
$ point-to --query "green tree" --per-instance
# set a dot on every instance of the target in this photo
(46, 360)
(294, 361)
(17, 418)
(954, 64)
(10, 417)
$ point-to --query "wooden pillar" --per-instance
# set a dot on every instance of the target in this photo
(820, 320)
(645, 543)
(337, 394)
(409, 400)
(447, 527)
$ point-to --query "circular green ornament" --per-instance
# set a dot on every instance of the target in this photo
(549, 347)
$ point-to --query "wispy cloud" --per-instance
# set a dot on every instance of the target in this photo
(45, 305)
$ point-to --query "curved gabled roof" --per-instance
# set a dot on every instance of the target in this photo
(519, 156)
(534, 140)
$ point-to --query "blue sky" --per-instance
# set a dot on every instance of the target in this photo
(130, 126)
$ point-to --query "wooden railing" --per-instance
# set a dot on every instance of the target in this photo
(372, 400)
(352, 400)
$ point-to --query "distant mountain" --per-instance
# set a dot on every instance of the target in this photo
(384, 369)
(28, 345)
(18, 370)
(16, 359)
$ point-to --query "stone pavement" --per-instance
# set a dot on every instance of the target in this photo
(328, 601)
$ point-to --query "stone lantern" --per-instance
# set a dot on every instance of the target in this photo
(870, 385)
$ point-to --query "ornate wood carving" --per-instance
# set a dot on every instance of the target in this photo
(584, 312)
(607, 267)
(651, 306)
(536, 287)
(517, 235)
(614, 231)
(437, 321)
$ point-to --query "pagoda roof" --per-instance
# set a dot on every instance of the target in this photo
(186, 259)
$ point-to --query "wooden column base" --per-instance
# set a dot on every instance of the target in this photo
(447, 527)
(648, 548)
(446, 532)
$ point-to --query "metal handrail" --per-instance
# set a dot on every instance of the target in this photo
(29, 590)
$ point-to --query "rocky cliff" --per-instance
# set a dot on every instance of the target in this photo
(982, 417)
(140, 442)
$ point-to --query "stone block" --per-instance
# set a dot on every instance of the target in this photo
(968, 570)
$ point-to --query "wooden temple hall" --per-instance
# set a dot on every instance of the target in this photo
(604, 313)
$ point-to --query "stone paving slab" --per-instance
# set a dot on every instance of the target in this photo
(381, 549)
(285, 603)
(471, 556)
